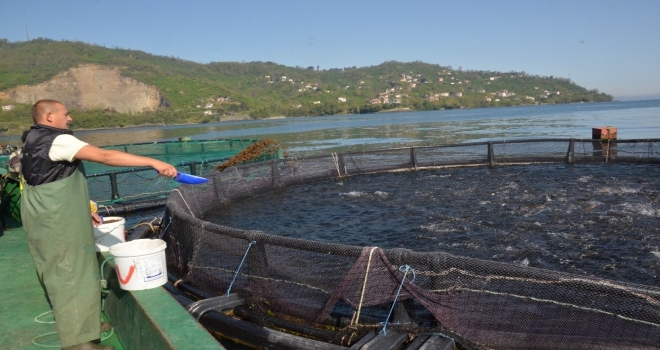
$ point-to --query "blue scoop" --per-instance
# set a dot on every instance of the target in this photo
(189, 179)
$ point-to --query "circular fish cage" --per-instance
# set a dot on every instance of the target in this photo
(544, 244)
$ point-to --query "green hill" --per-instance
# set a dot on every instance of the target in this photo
(266, 89)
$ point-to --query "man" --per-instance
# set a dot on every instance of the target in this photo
(55, 210)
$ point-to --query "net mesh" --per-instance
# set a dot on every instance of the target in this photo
(351, 290)
(110, 185)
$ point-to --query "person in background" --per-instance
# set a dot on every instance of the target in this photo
(55, 210)
(15, 163)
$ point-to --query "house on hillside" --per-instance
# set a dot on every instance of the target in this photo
(504, 93)
(7, 108)
(341, 99)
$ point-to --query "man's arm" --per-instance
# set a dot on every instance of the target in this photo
(118, 158)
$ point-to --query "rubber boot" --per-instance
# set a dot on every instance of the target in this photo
(89, 346)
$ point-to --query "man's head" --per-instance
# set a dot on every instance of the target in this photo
(52, 113)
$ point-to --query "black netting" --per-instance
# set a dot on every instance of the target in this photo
(481, 304)
(114, 188)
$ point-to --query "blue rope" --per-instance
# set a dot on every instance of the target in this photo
(166, 227)
(239, 266)
(398, 292)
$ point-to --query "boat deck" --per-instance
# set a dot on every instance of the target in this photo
(147, 319)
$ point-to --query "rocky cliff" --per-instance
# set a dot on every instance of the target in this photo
(92, 86)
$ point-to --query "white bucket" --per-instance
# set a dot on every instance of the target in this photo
(109, 233)
(140, 264)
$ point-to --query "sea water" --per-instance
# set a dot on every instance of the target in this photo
(325, 134)
(589, 219)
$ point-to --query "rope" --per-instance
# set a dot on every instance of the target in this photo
(37, 343)
(104, 284)
(364, 287)
(398, 292)
(36, 319)
(108, 208)
(104, 292)
(150, 224)
(184, 201)
(239, 266)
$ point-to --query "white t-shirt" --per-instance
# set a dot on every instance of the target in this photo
(65, 147)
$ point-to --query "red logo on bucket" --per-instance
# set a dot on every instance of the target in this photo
(128, 278)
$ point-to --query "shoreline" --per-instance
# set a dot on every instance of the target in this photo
(239, 118)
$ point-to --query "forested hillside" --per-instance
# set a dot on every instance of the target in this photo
(194, 92)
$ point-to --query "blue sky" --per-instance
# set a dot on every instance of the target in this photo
(609, 45)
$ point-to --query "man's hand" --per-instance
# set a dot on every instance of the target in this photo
(96, 219)
(164, 169)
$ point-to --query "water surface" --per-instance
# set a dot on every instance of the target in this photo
(313, 135)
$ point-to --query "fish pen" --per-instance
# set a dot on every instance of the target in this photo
(300, 279)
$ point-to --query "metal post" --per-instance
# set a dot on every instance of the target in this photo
(413, 157)
(491, 154)
(570, 154)
(342, 165)
(113, 186)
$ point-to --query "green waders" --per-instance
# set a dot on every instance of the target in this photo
(57, 222)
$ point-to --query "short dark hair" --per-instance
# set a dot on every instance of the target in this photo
(42, 107)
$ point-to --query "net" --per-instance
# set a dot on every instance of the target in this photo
(350, 290)
(120, 189)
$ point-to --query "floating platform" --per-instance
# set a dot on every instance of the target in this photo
(147, 319)
(604, 133)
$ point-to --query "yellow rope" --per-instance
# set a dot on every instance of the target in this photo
(184, 201)
(364, 287)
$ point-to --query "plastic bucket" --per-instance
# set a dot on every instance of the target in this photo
(140, 264)
(109, 233)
